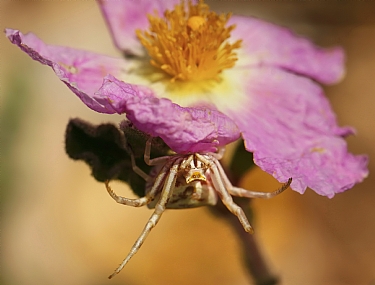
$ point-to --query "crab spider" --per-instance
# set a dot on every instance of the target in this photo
(185, 181)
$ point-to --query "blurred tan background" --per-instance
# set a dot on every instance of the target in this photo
(59, 225)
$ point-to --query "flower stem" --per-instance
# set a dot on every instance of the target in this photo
(252, 255)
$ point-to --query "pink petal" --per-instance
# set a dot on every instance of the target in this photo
(115, 93)
(182, 129)
(266, 44)
(81, 71)
(125, 16)
(290, 127)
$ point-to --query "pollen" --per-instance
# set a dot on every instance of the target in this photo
(190, 43)
(195, 22)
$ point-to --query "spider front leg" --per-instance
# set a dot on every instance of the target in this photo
(147, 154)
(223, 193)
(154, 219)
(143, 200)
(240, 192)
(135, 168)
(219, 155)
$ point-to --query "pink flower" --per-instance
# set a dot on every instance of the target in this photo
(231, 76)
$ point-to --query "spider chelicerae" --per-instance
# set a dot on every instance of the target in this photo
(185, 181)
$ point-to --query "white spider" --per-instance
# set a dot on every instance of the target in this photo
(185, 181)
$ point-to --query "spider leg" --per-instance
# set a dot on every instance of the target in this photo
(154, 161)
(219, 155)
(224, 195)
(135, 168)
(240, 192)
(154, 219)
(143, 200)
(187, 162)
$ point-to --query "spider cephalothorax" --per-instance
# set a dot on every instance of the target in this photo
(185, 181)
(192, 187)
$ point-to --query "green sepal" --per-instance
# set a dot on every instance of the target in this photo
(105, 148)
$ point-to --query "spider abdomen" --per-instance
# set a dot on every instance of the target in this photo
(189, 195)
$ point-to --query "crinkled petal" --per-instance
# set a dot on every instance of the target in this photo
(266, 44)
(182, 129)
(115, 93)
(81, 71)
(126, 16)
(290, 127)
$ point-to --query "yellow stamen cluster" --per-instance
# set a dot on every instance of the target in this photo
(190, 44)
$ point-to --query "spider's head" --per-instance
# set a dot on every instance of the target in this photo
(195, 174)
(195, 171)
